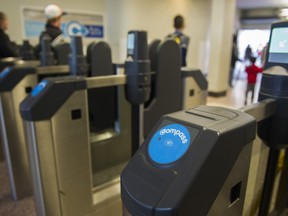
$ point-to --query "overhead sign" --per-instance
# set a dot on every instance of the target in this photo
(75, 28)
(74, 23)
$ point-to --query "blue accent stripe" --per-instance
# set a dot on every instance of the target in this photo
(39, 88)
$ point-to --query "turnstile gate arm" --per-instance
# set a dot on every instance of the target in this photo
(261, 110)
(53, 69)
(106, 81)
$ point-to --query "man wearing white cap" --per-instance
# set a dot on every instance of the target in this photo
(54, 15)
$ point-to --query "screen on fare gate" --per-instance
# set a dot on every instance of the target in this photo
(278, 50)
(130, 43)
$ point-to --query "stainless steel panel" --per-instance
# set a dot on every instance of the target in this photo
(10, 59)
(13, 138)
(257, 172)
(107, 200)
(53, 69)
(19, 62)
(73, 156)
(61, 160)
(197, 98)
(29, 63)
(239, 173)
(40, 143)
(1, 149)
(104, 81)
(110, 155)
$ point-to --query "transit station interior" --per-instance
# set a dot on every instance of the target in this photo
(112, 122)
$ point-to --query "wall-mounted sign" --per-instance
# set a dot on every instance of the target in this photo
(74, 23)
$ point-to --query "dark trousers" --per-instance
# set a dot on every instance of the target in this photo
(250, 87)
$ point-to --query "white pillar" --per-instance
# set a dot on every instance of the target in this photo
(221, 32)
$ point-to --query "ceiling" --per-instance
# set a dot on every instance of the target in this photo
(245, 4)
(260, 13)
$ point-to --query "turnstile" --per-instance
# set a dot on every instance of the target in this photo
(6, 62)
(27, 59)
(186, 87)
(182, 166)
(70, 126)
(56, 138)
(16, 82)
(196, 162)
(60, 147)
(69, 113)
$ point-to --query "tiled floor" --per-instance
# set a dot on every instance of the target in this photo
(235, 96)
(9, 207)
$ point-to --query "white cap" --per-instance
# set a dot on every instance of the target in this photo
(53, 11)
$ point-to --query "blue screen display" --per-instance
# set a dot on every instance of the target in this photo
(278, 50)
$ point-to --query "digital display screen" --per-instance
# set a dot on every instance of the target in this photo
(130, 44)
(278, 50)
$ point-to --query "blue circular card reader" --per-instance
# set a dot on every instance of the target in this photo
(38, 88)
(169, 144)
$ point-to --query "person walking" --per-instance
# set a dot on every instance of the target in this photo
(7, 48)
(252, 72)
(180, 38)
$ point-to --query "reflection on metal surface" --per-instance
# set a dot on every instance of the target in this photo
(96, 138)
(63, 160)
(106, 191)
(107, 200)
(10, 59)
(103, 81)
(259, 158)
(20, 62)
(193, 95)
(1, 148)
(14, 140)
(107, 174)
(66, 158)
(53, 70)
(27, 63)
(73, 156)
(35, 132)
(120, 68)
(15, 145)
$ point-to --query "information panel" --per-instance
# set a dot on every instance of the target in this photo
(88, 25)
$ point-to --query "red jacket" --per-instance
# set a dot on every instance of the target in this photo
(252, 72)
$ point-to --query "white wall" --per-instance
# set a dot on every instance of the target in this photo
(221, 32)
(13, 10)
(156, 17)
